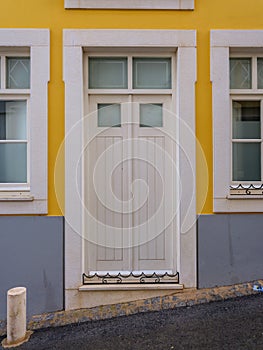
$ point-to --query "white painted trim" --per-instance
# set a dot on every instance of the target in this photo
(221, 43)
(129, 38)
(75, 41)
(236, 38)
(24, 37)
(128, 4)
(37, 40)
(186, 77)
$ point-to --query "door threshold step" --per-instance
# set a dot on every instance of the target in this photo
(131, 286)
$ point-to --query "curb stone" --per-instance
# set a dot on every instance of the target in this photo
(182, 298)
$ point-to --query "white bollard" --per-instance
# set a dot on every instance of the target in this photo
(16, 318)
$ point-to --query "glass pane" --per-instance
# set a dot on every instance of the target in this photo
(13, 162)
(109, 115)
(151, 73)
(240, 73)
(246, 162)
(260, 73)
(18, 73)
(246, 120)
(108, 73)
(13, 120)
(151, 115)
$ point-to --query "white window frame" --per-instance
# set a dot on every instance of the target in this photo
(226, 44)
(32, 197)
(21, 188)
(183, 42)
(130, 4)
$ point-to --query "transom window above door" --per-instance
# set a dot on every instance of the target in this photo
(133, 73)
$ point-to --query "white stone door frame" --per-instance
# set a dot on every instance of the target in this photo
(183, 42)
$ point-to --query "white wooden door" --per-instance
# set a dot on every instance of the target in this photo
(129, 185)
(153, 165)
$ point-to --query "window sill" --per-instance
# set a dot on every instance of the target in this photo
(128, 4)
(24, 206)
(239, 204)
(16, 197)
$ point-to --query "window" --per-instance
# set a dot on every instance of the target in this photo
(14, 145)
(13, 142)
(246, 143)
(128, 4)
(24, 73)
(236, 74)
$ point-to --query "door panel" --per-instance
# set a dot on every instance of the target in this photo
(129, 186)
(105, 185)
(154, 240)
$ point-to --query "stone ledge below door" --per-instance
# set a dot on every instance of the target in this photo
(139, 286)
(186, 297)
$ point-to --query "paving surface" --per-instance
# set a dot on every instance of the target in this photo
(232, 324)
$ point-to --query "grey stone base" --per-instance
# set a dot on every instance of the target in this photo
(230, 248)
(32, 256)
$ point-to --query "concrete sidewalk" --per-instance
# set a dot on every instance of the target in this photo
(186, 297)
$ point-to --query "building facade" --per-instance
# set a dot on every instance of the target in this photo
(130, 148)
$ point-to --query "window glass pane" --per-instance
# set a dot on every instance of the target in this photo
(108, 73)
(13, 120)
(246, 161)
(151, 115)
(246, 120)
(260, 73)
(151, 73)
(109, 115)
(18, 73)
(13, 162)
(240, 73)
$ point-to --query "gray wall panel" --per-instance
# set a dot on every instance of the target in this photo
(230, 249)
(31, 255)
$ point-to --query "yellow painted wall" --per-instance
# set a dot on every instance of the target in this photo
(208, 14)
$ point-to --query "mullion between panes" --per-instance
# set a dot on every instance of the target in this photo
(130, 72)
(3, 72)
(254, 69)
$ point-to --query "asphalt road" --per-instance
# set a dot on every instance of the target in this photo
(233, 324)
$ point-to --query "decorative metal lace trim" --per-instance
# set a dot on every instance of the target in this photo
(131, 278)
(249, 189)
